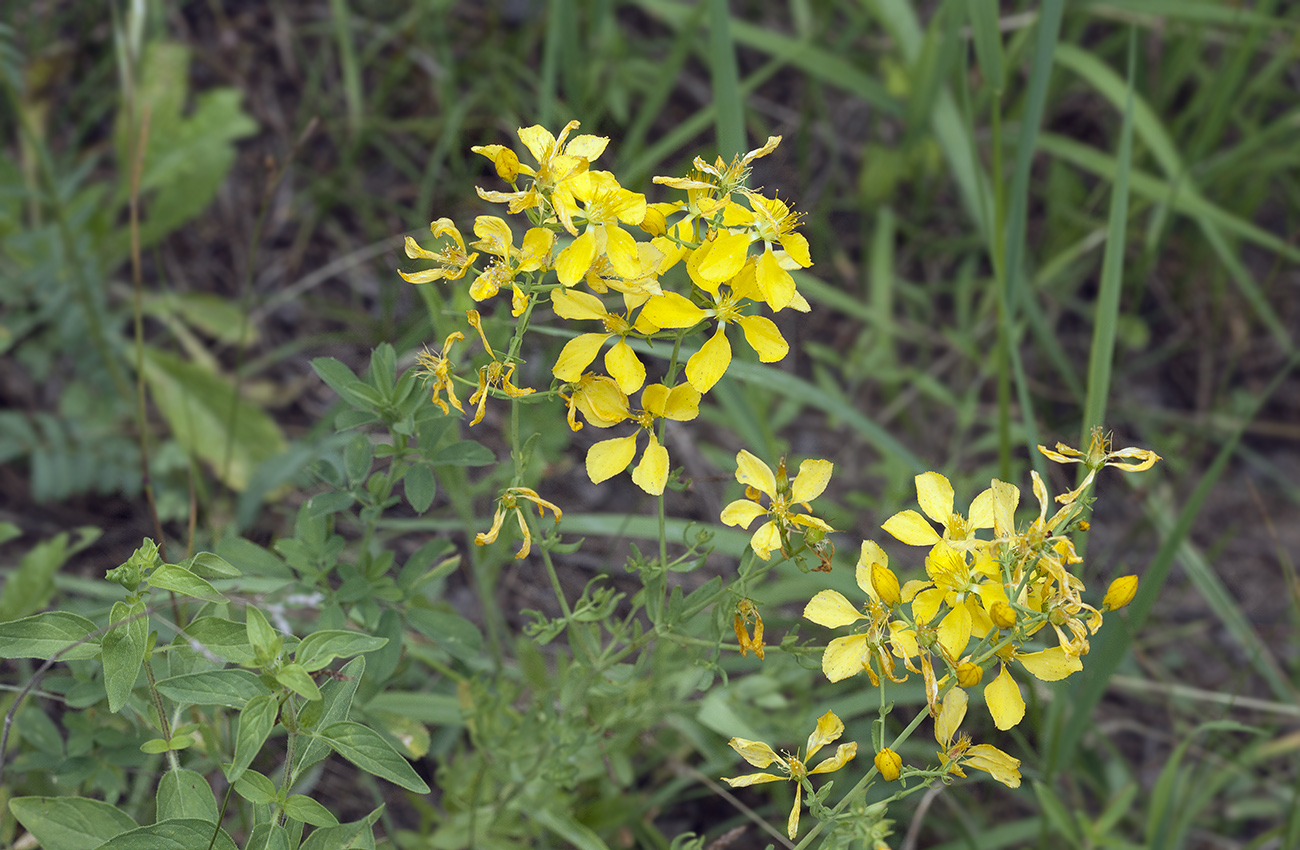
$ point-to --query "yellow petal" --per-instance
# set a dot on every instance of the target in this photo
(934, 493)
(1006, 498)
(620, 247)
(623, 366)
(752, 472)
(755, 752)
(651, 474)
(843, 754)
(1004, 700)
(762, 335)
(911, 528)
(797, 247)
(845, 657)
(829, 608)
(925, 605)
(950, 716)
(1001, 766)
(982, 509)
(672, 310)
(902, 640)
(610, 457)
(708, 365)
(538, 242)
(954, 631)
(811, 480)
(494, 235)
(751, 779)
(725, 257)
(766, 540)
(587, 147)
(539, 141)
(574, 260)
(742, 512)
(792, 825)
(577, 355)
(581, 306)
(829, 728)
(885, 584)
(774, 282)
(1050, 665)
(682, 404)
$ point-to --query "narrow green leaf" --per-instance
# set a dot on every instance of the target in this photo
(988, 42)
(48, 634)
(298, 680)
(304, 808)
(729, 113)
(452, 632)
(186, 794)
(256, 721)
(123, 652)
(319, 649)
(177, 579)
(209, 419)
(368, 750)
(232, 688)
(70, 823)
(1056, 813)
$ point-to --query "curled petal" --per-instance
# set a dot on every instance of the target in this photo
(843, 754)
(829, 728)
(756, 752)
(998, 764)
(950, 716)
(751, 779)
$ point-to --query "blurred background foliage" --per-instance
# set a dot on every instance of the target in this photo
(957, 164)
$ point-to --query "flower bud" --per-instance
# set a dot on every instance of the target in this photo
(890, 764)
(969, 674)
(1003, 615)
(885, 583)
(507, 165)
(1120, 593)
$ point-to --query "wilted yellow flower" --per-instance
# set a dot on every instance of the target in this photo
(747, 612)
(495, 374)
(509, 501)
(437, 368)
(889, 763)
(783, 494)
(1098, 457)
(760, 755)
(452, 261)
(722, 178)
(959, 753)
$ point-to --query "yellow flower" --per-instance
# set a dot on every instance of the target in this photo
(770, 221)
(959, 753)
(726, 177)
(935, 495)
(707, 366)
(605, 205)
(558, 161)
(602, 403)
(1120, 593)
(746, 612)
(495, 374)
(610, 457)
(760, 755)
(621, 361)
(848, 656)
(783, 496)
(496, 238)
(452, 260)
(509, 501)
(1099, 456)
(437, 368)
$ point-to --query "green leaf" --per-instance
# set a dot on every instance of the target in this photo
(255, 788)
(48, 634)
(187, 157)
(318, 649)
(358, 456)
(307, 810)
(70, 823)
(464, 453)
(30, 587)
(452, 632)
(224, 638)
(335, 705)
(358, 835)
(209, 419)
(123, 652)
(186, 794)
(565, 825)
(261, 636)
(344, 381)
(420, 487)
(177, 579)
(218, 317)
(155, 746)
(173, 834)
(255, 724)
(268, 836)
(368, 750)
(298, 680)
(232, 688)
(210, 565)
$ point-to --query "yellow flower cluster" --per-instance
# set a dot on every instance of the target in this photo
(736, 245)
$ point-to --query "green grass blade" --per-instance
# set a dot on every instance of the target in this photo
(1085, 690)
(1101, 357)
(728, 106)
(561, 40)
(351, 70)
(988, 42)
